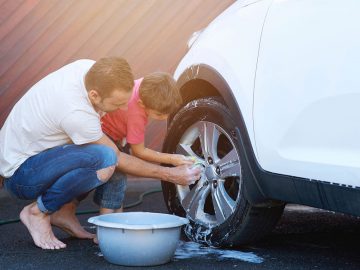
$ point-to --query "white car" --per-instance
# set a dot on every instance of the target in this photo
(271, 110)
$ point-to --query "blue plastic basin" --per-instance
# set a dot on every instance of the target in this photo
(138, 238)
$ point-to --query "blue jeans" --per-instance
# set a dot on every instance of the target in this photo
(60, 174)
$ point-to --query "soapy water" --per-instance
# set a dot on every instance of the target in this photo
(200, 235)
(189, 250)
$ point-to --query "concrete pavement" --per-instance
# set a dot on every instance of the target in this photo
(305, 238)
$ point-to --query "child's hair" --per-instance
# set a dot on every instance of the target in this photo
(159, 92)
(108, 74)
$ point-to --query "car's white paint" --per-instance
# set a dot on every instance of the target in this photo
(292, 66)
(307, 92)
(232, 51)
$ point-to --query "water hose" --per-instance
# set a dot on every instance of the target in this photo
(126, 206)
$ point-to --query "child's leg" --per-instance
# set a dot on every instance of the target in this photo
(110, 196)
(104, 211)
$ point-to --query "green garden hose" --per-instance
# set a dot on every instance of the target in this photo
(127, 206)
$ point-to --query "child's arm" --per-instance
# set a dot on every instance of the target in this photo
(140, 151)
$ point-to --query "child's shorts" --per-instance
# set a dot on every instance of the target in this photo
(111, 194)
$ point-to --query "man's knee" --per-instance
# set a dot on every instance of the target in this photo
(105, 174)
(107, 155)
(101, 155)
(106, 160)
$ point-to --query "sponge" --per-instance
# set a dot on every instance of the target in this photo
(196, 160)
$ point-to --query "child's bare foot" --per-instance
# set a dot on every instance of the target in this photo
(96, 241)
(66, 220)
(39, 227)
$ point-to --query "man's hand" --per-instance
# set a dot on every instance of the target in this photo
(177, 160)
(184, 175)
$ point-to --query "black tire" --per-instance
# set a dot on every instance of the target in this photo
(246, 223)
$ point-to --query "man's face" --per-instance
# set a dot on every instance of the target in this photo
(118, 99)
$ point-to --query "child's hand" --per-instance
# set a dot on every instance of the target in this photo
(177, 160)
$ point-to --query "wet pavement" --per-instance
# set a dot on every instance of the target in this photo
(305, 238)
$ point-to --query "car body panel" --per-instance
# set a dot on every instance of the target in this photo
(220, 50)
(307, 91)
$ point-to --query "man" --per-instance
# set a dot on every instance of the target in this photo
(52, 148)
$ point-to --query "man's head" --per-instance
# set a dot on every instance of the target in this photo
(109, 84)
(159, 95)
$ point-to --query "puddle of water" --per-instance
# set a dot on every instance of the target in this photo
(188, 250)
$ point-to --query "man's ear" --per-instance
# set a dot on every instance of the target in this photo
(141, 103)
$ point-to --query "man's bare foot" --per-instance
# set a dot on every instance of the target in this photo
(66, 220)
(39, 227)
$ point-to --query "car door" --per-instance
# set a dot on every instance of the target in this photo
(307, 90)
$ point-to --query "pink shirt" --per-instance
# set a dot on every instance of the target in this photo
(128, 124)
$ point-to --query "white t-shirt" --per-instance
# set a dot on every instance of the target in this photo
(55, 111)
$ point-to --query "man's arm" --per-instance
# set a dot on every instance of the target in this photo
(182, 175)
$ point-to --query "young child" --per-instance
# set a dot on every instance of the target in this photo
(155, 96)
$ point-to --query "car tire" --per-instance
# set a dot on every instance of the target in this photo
(216, 205)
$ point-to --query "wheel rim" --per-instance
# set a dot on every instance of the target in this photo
(213, 198)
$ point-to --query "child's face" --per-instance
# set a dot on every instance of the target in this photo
(156, 115)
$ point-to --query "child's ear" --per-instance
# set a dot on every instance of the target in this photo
(141, 104)
(93, 95)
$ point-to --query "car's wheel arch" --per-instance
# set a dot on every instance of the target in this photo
(202, 81)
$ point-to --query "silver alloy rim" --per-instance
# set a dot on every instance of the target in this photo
(220, 170)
